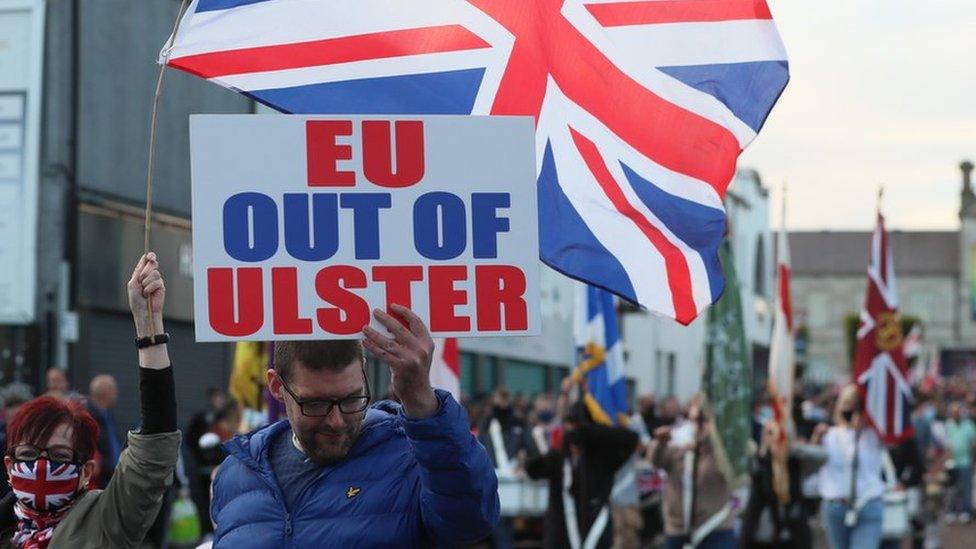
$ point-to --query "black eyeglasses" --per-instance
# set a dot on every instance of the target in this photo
(29, 452)
(323, 407)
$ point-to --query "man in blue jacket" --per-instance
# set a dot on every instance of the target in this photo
(338, 473)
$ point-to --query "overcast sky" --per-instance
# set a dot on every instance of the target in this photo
(881, 91)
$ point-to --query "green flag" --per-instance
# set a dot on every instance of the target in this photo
(728, 377)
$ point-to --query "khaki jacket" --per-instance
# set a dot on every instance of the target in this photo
(712, 489)
(122, 513)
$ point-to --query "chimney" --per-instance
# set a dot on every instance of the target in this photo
(968, 208)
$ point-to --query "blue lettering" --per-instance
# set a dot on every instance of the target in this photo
(486, 224)
(428, 237)
(366, 220)
(247, 214)
(323, 241)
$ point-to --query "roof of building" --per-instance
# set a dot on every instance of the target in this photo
(847, 252)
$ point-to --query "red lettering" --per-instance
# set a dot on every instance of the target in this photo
(378, 153)
(398, 280)
(248, 300)
(444, 298)
(323, 152)
(350, 312)
(499, 286)
(284, 302)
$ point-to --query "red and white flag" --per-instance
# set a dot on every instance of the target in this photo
(782, 348)
(879, 358)
(445, 368)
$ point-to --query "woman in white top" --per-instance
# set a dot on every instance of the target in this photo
(852, 510)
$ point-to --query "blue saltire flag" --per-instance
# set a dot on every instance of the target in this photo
(600, 352)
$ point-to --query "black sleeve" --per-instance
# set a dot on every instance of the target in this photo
(544, 466)
(158, 395)
(8, 520)
(615, 443)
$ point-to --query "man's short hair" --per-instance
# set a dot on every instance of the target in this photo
(333, 355)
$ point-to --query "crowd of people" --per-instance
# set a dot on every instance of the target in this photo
(415, 467)
(807, 487)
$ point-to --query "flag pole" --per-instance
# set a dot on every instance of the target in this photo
(151, 163)
(782, 209)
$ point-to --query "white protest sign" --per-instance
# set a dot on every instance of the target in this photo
(303, 224)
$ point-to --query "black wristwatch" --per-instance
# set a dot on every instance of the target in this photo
(149, 341)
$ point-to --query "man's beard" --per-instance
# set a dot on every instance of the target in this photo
(325, 450)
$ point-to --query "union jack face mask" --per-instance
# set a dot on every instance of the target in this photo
(45, 485)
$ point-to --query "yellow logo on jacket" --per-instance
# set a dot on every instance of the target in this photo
(352, 492)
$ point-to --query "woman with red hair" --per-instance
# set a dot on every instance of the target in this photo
(51, 444)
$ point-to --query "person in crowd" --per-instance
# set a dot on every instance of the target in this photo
(625, 498)
(670, 414)
(961, 437)
(57, 383)
(52, 441)
(647, 408)
(762, 412)
(202, 422)
(515, 438)
(851, 484)
(923, 417)
(12, 397)
(509, 442)
(338, 472)
(909, 468)
(696, 496)
(770, 519)
(590, 454)
(543, 416)
(520, 407)
(103, 394)
(651, 517)
(203, 461)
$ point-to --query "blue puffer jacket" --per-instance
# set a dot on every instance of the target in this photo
(420, 483)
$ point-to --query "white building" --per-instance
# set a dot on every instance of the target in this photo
(936, 278)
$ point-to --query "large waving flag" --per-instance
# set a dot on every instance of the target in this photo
(641, 107)
(879, 359)
(601, 355)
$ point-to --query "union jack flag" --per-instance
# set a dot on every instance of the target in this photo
(641, 107)
(879, 359)
(41, 486)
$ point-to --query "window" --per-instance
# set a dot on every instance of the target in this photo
(759, 274)
(672, 373)
(487, 373)
(556, 376)
(468, 373)
(524, 377)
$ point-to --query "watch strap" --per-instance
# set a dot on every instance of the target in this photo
(149, 341)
